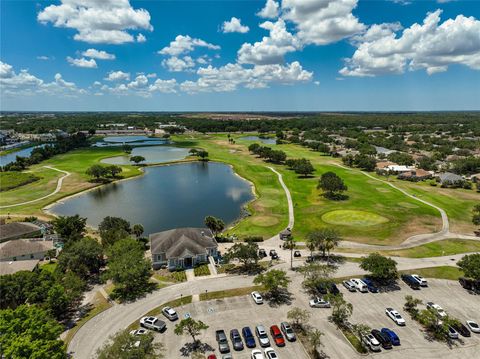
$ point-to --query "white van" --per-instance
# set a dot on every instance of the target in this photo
(360, 285)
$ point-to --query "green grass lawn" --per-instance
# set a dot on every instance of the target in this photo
(445, 272)
(229, 293)
(11, 180)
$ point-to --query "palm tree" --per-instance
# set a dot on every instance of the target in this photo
(315, 338)
(332, 239)
(290, 244)
(137, 230)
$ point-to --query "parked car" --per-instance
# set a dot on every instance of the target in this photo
(170, 313)
(257, 354)
(322, 288)
(262, 336)
(360, 285)
(262, 253)
(395, 316)
(372, 343)
(452, 333)
(410, 281)
(394, 339)
(212, 356)
(272, 252)
(333, 289)
(277, 336)
(382, 339)
(270, 353)
(473, 326)
(222, 341)
(461, 329)
(370, 285)
(297, 254)
(318, 302)
(153, 323)
(437, 309)
(141, 331)
(257, 298)
(349, 285)
(274, 256)
(288, 331)
(227, 356)
(248, 337)
(421, 281)
(236, 339)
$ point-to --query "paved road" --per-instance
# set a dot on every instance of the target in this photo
(57, 189)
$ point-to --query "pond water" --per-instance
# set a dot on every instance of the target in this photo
(267, 141)
(11, 157)
(131, 140)
(166, 197)
(156, 154)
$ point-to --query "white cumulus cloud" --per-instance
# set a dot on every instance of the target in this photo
(82, 62)
(184, 44)
(270, 10)
(118, 76)
(234, 25)
(431, 46)
(176, 64)
(97, 21)
(98, 54)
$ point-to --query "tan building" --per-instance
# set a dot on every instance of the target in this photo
(24, 249)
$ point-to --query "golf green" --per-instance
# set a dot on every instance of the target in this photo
(353, 218)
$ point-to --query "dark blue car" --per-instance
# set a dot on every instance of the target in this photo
(391, 335)
(371, 287)
(248, 337)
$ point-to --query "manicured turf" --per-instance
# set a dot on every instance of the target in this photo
(445, 272)
(353, 218)
(11, 180)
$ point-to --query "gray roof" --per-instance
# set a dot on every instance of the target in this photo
(17, 266)
(20, 247)
(175, 242)
(449, 177)
(17, 229)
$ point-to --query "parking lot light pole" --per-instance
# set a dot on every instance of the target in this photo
(206, 294)
(181, 300)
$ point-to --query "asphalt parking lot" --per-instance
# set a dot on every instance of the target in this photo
(369, 309)
(228, 314)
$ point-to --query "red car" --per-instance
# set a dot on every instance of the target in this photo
(212, 356)
(277, 335)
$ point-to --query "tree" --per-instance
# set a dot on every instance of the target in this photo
(137, 230)
(411, 305)
(57, 301)
(127, 148)
(30, 332)
(254, 147)
(381, 268)
(341, 310)
(470, 265)
(317, 275)
(324, 239)
(203, 155)
(299, 317)
(214, 224)
(245, 253)
(128, 268)
(290, 244)
(302, 166)
(70, 228)
(332, 185)
(360, 330)
(114, 170)
(84, 258)
(123, 345)
(97, 171)
(315, 338)
(476, 213)
(191, 327)
(137, 159)
(273, 281)
(113, 229)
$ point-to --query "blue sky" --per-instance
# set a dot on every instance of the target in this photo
(290, 55)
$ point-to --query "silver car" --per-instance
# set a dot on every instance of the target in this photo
(288, 331)
(170, 313)
(262, 336)
(349, 285)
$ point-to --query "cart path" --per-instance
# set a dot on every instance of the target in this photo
(57, 189)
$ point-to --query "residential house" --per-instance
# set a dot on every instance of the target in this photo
(182, 247)
(450, 179)
(24, 249)
(398, 168)
(13, 267)
(17, 230)
(415, 175)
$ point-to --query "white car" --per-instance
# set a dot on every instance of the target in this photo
(257, 298)
(270, 353)
(370, 341)
(395, 316)
(360, 285)
(438, 309)
(473, 326)
(349, 285)
(153, 323)
(422, 281)
(140, 331)
(170, 313)
(257, 354)
(319, 303)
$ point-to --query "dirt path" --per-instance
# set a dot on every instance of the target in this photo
(57, 189)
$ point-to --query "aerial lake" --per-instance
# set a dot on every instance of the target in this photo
(155, 154)
(267, 141)
(12, 156)
(165, 197)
